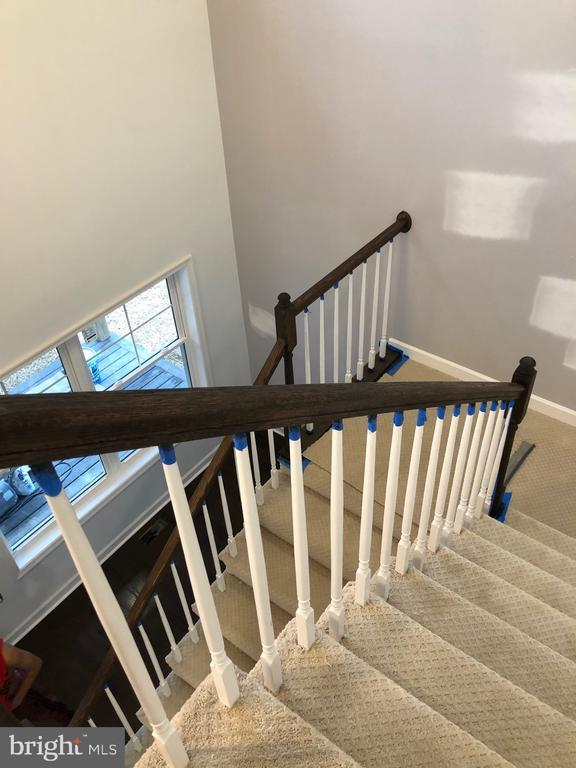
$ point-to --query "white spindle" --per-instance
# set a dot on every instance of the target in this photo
(494, 443)
(382, 580)
(223, 673)
(498, 459)
(307, 368)
(384, 335)
(232, 548)
(304, 612)
(436, 527)
(274, 471)
(271, 669)
(475, 510)
(168, 629)
(110, 615)
(360, 363)
(137, 744)
(192, 631)
(469, 473)
(459, 468)
(322, 350)
(258, 490)
(162, 682)
(362, 582)
(419, 552)
(336, 348)
(336, 608)
(91, 723)
(220, 582)
(348, 376)
(372, 352)
(403, 551)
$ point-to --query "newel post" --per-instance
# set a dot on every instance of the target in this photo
(286, 330)
(525, 375)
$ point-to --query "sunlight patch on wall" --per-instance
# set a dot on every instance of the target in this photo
(262, 321)
(546, 108)
(491, 206)
(554, 307)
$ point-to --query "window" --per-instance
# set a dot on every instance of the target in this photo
(138, 345)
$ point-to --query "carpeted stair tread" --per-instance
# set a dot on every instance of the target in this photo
(542, 533)
(513, 723)
(279, 557)
(516, 571)
(366, 714)
(257, 732)
(532, 666)
(561, 566)
(509, 603)
(195, 663)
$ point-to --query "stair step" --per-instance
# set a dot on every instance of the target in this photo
(180, 692)
(509, 603)
(258, 731)
(515, 724)
(513, 569)
(535, 552)
(366, 714)
(280, 567)
(542, 533)
(532, 666)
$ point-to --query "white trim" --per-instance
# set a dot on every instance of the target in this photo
(539, 404)
(70, 585)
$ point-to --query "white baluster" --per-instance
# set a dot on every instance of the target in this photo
(403, 551)
(360, 364)
(258, 490)
(336, 608)
(307, 368)
(192, 631)
(336, 348)
(475, 510)
(498, 459)
(469, 473)
(459, 468)
(232, 548)
(162, 682)
(271, 668)
(362, 581)
(436, 527)
(137, 744)
(382, 579)
(220, 582)
(304, 613)
(322, 350)
(494, 442)
(385, 311)
(91, 723)
(419, 552)
(223, 672)
(168, 630)
(372, 352)
(348, 376)
(274, 471)
(110, 615)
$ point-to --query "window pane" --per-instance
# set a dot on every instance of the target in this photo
(23, 509)
(155, 335)
(147, 304)
(43, 374)
(113, 363)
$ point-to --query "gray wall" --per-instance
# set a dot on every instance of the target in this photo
(336, 115)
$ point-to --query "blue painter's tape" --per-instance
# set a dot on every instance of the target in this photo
(399, 363)
(365, 261)
(220, 473)
(372, 423)
(471, 409)
(47, 478)
(338, 425)
(398, 418)
(167, 453)
(286, 463)
(240, 441)
(512, 403)
(306, 310)
(503, 405)
(351, 274)
(441, 411)
(335, 286)
(494, 405)
(483, 407)
(321, 297)
(503, 511)
(421, 418)
(294, 433)
(456, 410)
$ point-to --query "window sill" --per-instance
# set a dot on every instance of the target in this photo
(49, 537)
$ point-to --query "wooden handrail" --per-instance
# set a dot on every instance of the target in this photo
(38, 428)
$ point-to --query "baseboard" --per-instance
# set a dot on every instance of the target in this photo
(537, 403)
(74, 581)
